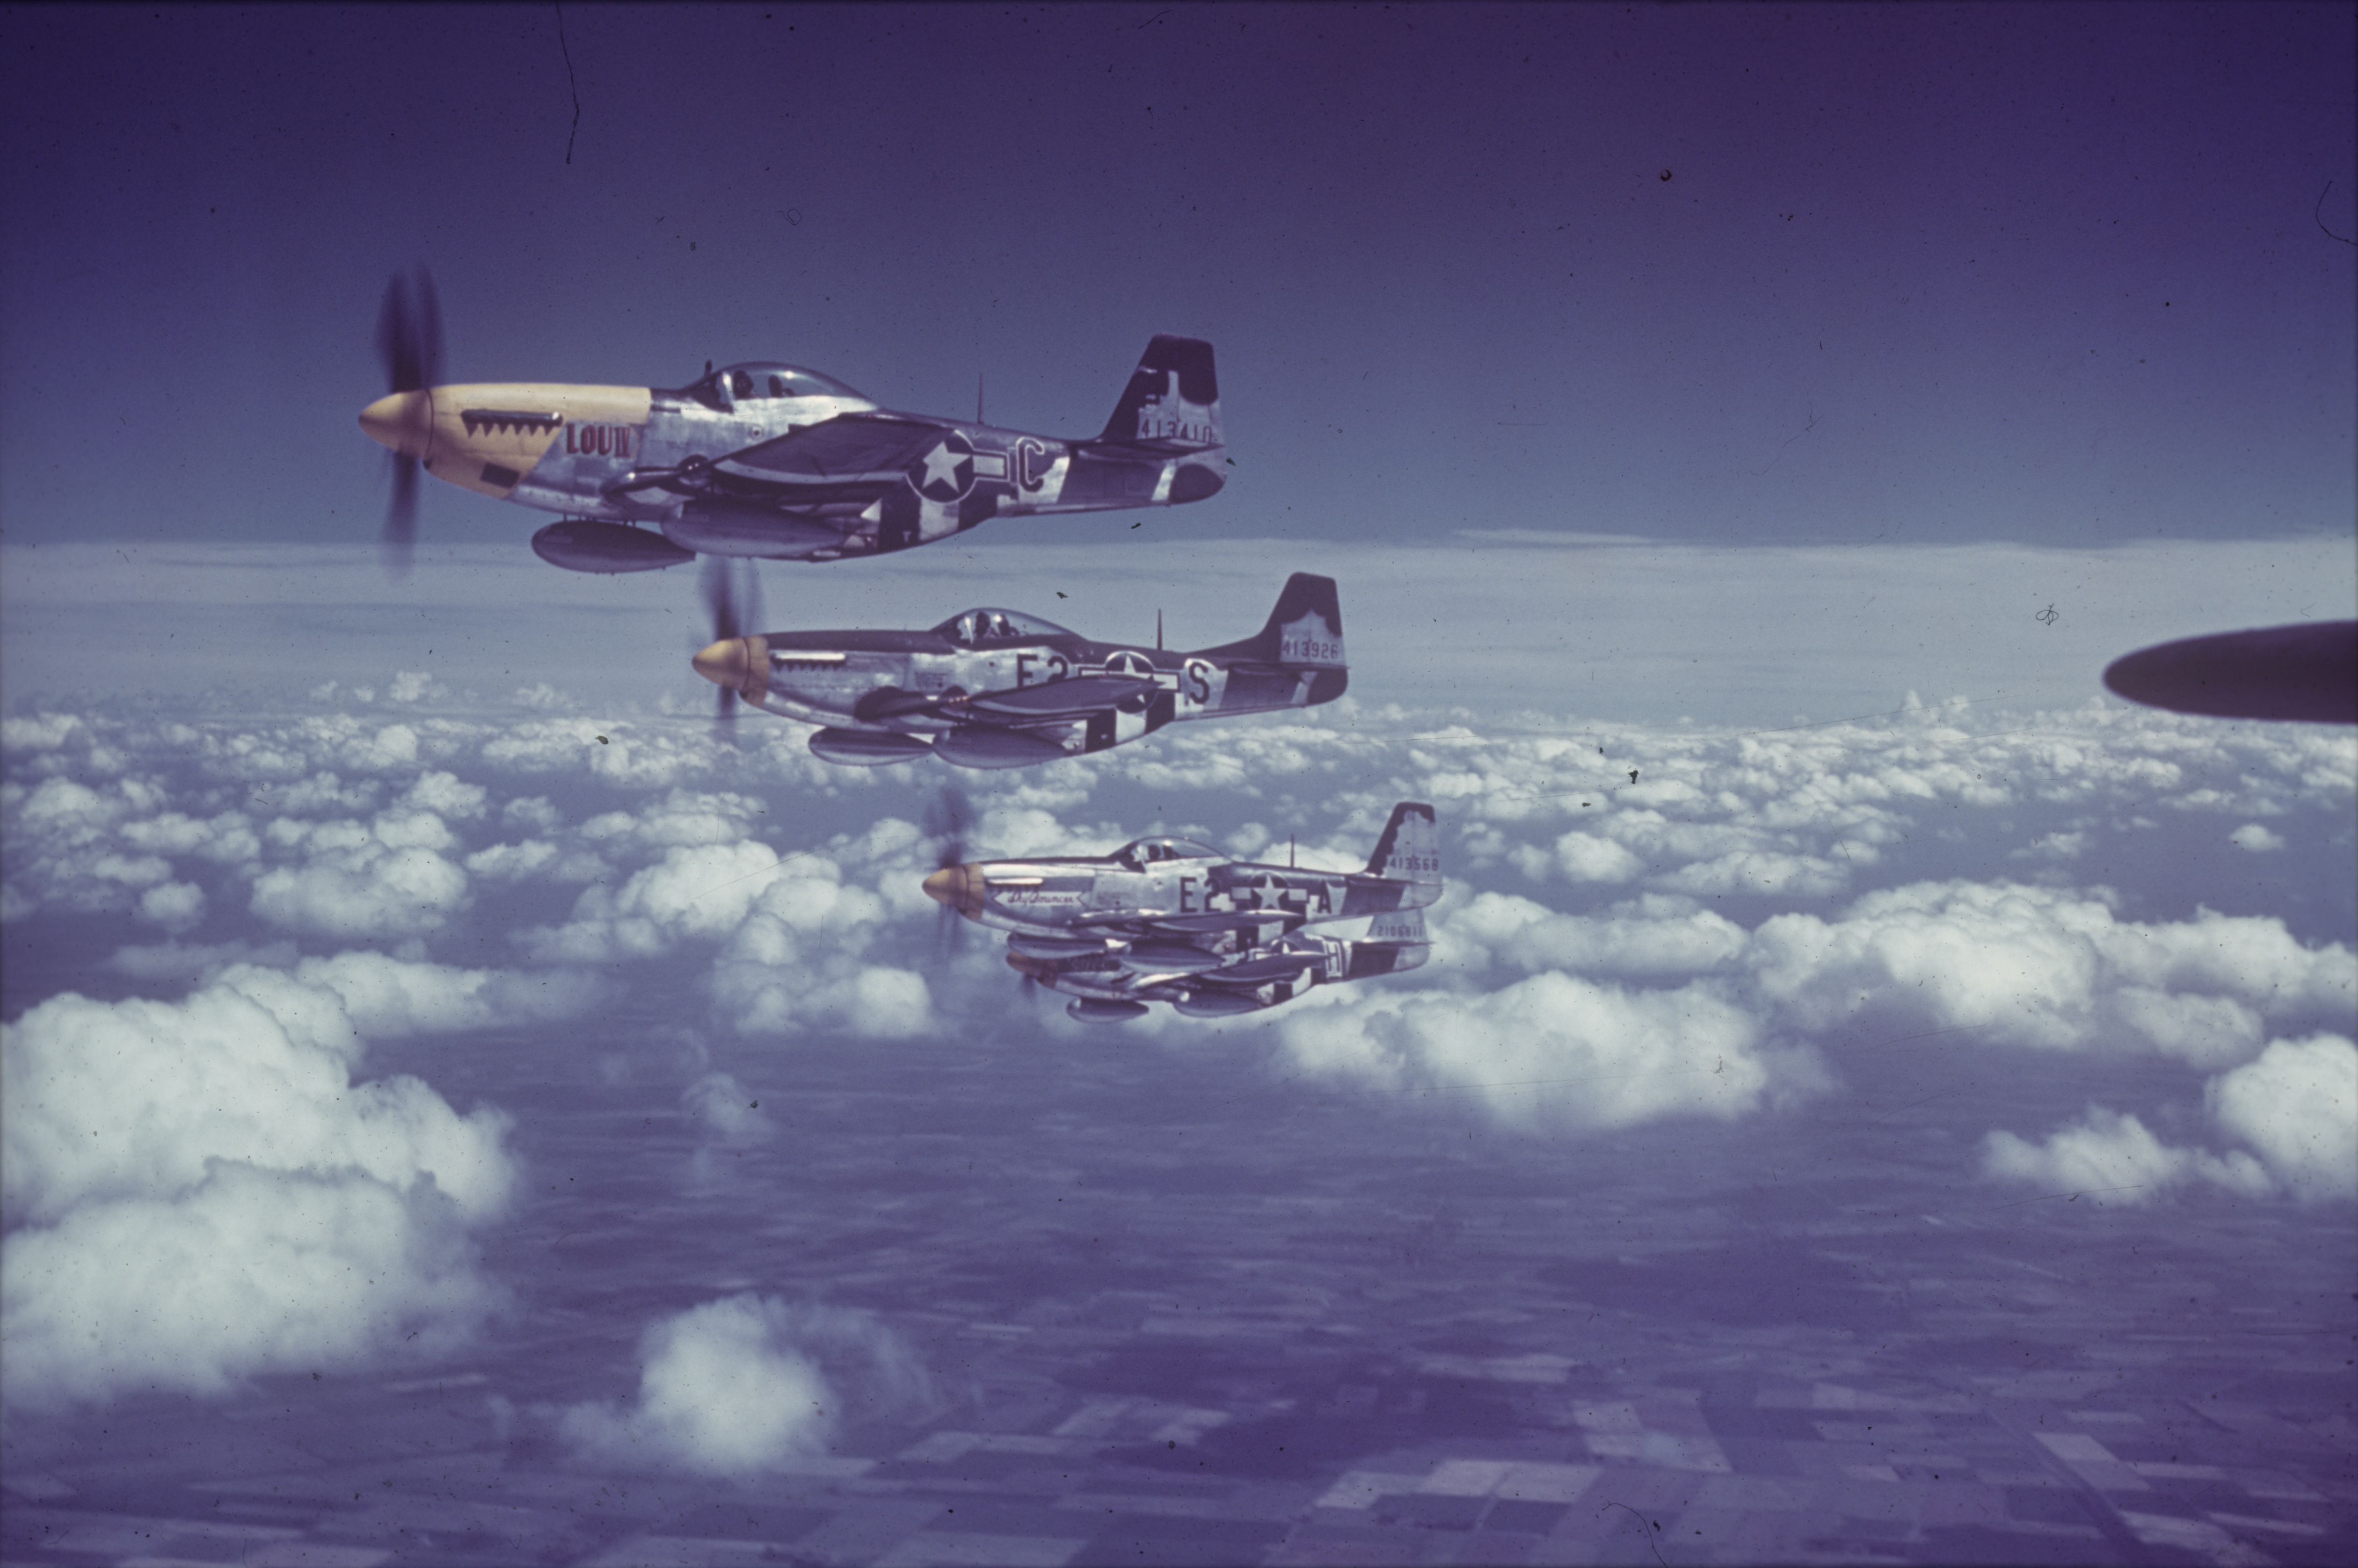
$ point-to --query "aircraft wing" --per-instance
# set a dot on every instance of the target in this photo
(1079, 694)
(1113, 921)
(847, 448)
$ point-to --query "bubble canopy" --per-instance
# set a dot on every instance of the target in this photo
(969, 628)
(1153, 852)
(756, 380)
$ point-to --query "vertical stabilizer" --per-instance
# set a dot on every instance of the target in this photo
(1410, 850)
(1172, 405)
(1305, 631)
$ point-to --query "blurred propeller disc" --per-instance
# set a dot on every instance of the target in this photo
(733, 604)
(946, 817)
(409, 346)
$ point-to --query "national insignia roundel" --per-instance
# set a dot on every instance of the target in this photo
(946, 471)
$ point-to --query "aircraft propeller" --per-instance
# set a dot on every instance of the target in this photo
(946, 815)
(409, 344)
(733, 614)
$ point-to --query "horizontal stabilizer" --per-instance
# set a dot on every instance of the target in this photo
(1395, 941)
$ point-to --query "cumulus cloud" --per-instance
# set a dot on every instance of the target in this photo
(1654, 935)
(251, 1268)
(2044, 968)
(414, 686)
(2255, 840)
(381, 884)
(800, 958)
(1555, 1051)
(37, 732)
(203, 1189)
(741, 1385)
(176, 907)
(1585, 857)
(728, 1115)
(2112, 1158)
(2297, 1104)
(697, 891)
(1711, 901)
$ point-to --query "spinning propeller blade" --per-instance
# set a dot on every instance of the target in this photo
(733, 612)
(409, 346)
(946, 817)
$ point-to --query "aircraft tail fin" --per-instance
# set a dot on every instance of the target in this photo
(1172, 406)
(1410, 850)
(1305, 631)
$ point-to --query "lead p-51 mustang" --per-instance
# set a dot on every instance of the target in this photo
(1172, 921)
(994, 689)
(770, 460)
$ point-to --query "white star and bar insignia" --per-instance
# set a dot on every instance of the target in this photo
(948, 470)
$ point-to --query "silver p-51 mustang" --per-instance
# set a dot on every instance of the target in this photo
(769, 460)
(1173, 921)
(996, 688)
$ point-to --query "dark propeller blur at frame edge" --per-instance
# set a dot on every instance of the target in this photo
(409, 346)
(732, 602)
(2306, 672)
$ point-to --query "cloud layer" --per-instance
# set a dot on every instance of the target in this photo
(204, 1189)
(1642, 924)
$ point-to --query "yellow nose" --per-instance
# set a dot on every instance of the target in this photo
(403, 421)
(948, 886)
(724, 663)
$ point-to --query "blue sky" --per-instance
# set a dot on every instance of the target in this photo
(2046, 273)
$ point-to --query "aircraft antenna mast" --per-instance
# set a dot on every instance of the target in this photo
(977, 398)
(1158, 631)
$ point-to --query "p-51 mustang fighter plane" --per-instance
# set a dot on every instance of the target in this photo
(993, 688)
(1169, 920)
(769, 460)
(1160, 896)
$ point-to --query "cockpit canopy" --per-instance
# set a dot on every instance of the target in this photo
(757, 381)
(974, 627)
(1142, 853)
